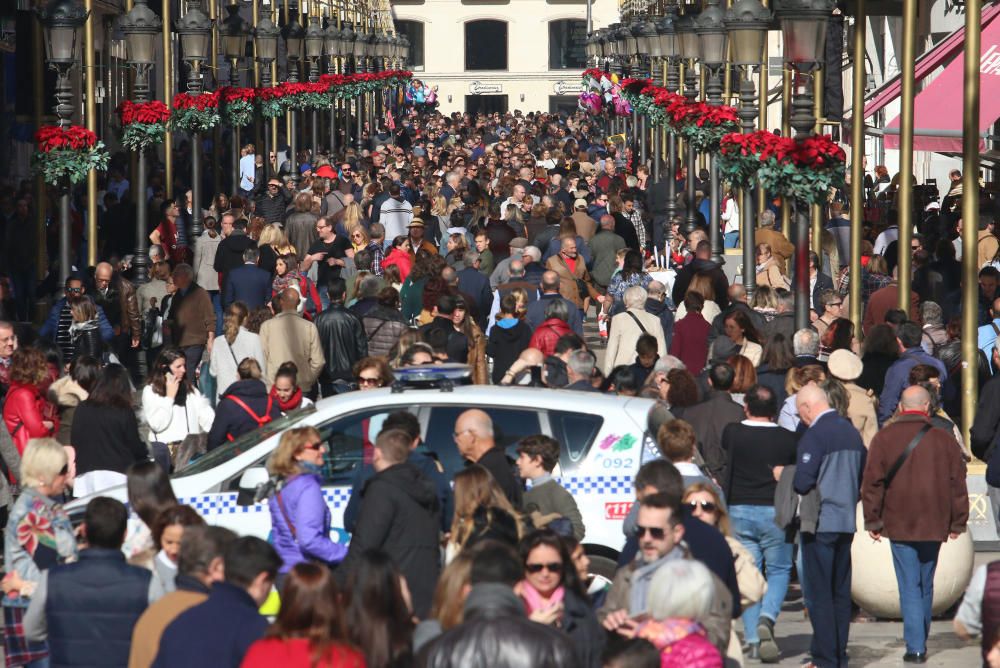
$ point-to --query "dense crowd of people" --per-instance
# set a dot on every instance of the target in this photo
(520, 246)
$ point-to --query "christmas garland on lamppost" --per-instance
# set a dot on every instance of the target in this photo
(237, 105)
(143, 124)
(195, 113)
(67, 152)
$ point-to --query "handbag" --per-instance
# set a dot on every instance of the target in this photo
(894, 469)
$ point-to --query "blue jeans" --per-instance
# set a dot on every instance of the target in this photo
(827, 560)
(730, 239)
(754, 527)
(217, 305)
(915, 564)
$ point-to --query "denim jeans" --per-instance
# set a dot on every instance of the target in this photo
(915, 563)
(754, 527)
(827, 560)
(217, 306)
(730, 239)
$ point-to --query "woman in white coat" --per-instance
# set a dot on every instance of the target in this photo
(236, 344)
(171, 405)
(626, 328)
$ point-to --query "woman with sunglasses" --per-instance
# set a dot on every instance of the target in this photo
(300, 518)
(39, 536)
(361, 241)
(371, 373)
(553, 594)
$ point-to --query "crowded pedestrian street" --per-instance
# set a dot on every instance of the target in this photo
(394, 334)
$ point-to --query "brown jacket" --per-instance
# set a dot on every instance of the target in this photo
(154, 621)
(884, 300)
(193, 317)
(586, 226)
(130, 309)
(781, 248)
(987, 245)
(288, 337)
(568, 286)
(477, 356)
(861, 411)
(927, 499)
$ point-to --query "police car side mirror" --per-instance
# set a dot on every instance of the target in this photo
(252, 478)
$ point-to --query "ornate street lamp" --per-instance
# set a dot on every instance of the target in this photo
(142, 29)
(689, 52)
(803, 28)
(195, 31)
(747, 22)
(294, 35)
(669, 48)
(404, 51)
(265, 39)
(314, 39)
(234, 31)
(334, 46)
(712, 43)
(62, 21)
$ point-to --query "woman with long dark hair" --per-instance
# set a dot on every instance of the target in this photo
(286, 390)
(553, 594)
(68, 392)
(106, 433)
(149, 494)
(633, 272)
(742, 332)
(310, 628)
(378, 613)
(172, 406)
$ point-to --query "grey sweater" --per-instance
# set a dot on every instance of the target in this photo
(550, 497)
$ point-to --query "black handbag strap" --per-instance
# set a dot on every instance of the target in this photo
(891, 473)
(637, 321)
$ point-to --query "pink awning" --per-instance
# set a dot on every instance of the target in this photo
(937, 117)
(939, 54)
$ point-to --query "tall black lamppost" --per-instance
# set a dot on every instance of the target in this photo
(747, 22)
(648, 46)
(669, 49)
(195, 30)
(713, 40)
(689, 51)
(234, 31)
(803, 28)
(62, 21)
(294, 34)
(358, 50)
(314, 51)
(142, 29)
(348, 37)
(265, 39)
(334, 47)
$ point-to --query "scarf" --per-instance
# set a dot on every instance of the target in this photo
(293, 402)
(643, 576)
(533, 600)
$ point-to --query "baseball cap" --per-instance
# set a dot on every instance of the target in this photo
(305, 167)
(580, 204)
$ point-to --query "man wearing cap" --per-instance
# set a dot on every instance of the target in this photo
(415, 232)
(586, 226)
(271, 204)
(846, 367)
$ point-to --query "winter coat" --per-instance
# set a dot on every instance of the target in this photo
(204, 258)
(24, 410)
(401, 259)
(289, 338)
(170, 422)
(106, 439)
(343, 340)
(12, 463)
(662, 311)
(86, 338)
(548, 334)
(225, 358)
(624, 333)
(690, 341)
(400, 516)
(232, 420)
(495, 632)
(65, 394)
(570, 282)
(383, 327)
(300, 523)
(682, 643)
(505, 345)
(269, 652)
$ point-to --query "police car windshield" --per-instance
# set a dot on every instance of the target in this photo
(244, 443)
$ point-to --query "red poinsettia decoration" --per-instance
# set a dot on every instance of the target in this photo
(143, 112)
(56, 137)
(201, 101)
(230, 94)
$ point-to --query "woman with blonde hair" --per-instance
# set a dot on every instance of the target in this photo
(39, 536)
(482, 512)
(448, 607)
(457, 246)
(353, 217)
(236, 344)
(300, 518)
(767, 269)
(441, 215)
(272, 244)
(796, 379)
(361, 240)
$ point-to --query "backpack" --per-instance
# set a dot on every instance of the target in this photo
(260, 420)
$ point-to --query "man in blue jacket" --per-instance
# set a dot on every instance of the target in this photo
(831, 460)
(57, 324)
(248, 283)
(909, 335)
(218, 632)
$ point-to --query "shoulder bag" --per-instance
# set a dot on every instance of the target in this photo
(894, 469)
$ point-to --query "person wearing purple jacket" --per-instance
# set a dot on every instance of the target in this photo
(300, 518)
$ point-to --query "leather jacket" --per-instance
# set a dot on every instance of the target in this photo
(128, 307)
(343, 339)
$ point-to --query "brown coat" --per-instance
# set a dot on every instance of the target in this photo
(586, 226)
(781, 248)
(861, 411)
(928, 498)
(884, 300)
(987, 245)
(477, 355)
(288, 337)
(193, 318)
(154, 621)
(568, 286)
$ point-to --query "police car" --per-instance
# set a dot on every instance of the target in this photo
(602, 441)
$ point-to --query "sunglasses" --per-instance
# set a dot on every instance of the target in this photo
(273, 185)
(314, 446)
(555, 568)
(707, 506)
(656, 533)
(369, 381)
(74, 290)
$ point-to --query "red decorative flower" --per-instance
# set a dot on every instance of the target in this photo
(55, 137)
(143, 112)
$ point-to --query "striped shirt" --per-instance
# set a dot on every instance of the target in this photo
(63, 338)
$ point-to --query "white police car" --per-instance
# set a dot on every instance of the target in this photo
(601, 436)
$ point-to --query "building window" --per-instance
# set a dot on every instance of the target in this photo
(485, 45)
(414, 31)
(566, 44)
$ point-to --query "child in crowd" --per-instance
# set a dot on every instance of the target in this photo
(537, 457)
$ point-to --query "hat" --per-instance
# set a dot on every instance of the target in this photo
(326, 172)
(416, 222)
(518, 242)
(845, 365)
(305, 167)
(587, 168)
(580, 204)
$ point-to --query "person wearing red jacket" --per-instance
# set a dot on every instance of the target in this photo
(27, 413)
(555, 325)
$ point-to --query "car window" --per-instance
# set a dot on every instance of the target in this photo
(349, 440)
(235, 448)
(509, 426)
(576, 433)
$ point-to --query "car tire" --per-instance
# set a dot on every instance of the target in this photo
(602, 567)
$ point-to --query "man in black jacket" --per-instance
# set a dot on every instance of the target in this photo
(399, 516)
(702, 264)
(475, 442)
(229, 254)
(272, 203)
(712, 415)
(342, 337)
